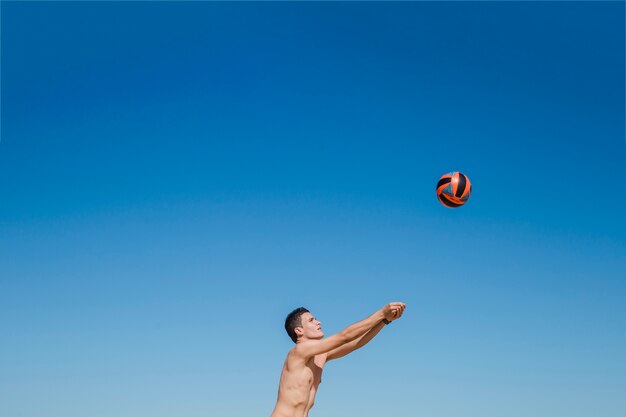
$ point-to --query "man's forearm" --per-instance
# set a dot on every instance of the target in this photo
(364, 340)
(362, 327)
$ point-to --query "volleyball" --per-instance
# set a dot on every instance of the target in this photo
(453, 189)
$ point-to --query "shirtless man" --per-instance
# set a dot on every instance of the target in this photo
(302, 371)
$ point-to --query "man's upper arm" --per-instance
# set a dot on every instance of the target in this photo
(317, 347)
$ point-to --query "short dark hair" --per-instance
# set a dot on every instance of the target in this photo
(293, 320)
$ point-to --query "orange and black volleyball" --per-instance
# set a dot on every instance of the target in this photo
(453, 189)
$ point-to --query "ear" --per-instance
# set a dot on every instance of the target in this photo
(299, 331)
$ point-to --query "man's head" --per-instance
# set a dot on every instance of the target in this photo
(301, 323)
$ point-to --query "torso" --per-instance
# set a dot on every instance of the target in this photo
(298, 385)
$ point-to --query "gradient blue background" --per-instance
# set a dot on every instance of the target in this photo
(176, 177)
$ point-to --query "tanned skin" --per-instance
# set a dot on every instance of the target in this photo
(302, 370)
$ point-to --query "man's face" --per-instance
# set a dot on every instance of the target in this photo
(311, 327)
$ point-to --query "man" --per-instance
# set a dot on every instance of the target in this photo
(302, 370)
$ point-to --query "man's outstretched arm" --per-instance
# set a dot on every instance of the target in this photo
(358, 343)
(350, 347)
(350, 333)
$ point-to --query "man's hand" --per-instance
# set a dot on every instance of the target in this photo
(393, 311)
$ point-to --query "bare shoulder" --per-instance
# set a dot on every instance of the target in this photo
(301, 350)
(296, 355)
(305, 351)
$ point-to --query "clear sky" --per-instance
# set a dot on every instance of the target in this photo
(176, 177)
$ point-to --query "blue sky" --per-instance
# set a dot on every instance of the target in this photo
(176, 177)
